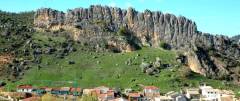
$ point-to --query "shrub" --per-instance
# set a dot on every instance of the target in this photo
(164, 45)
(122, 31)
(71, 62)
(185, 72)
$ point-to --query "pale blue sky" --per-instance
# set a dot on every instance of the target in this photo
(213, 16)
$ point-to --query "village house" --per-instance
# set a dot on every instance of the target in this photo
(151, 91)
(134, 97)
(39, 91)
(48, 89)
(211, 94)
(55, 91)
(88, 91)
(25, 88)
(64, 90)
(102, 89)
(76, 91)
(106, 96)
(104, 93)
(193, 94)
(61, 91)
(208, 93)
(176, 96)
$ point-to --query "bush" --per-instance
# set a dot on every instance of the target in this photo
(122, 31)
(71, 62)
(164, 45)
(185, 72)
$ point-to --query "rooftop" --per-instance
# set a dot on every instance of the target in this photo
(151, 87)
(65, 88)
(75, 89)
(47, 88)
(24, 87)
(205, 87)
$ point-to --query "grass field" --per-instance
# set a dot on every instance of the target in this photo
(93, 69)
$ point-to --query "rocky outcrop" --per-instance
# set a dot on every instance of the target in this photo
(49, 18)
(147, 29)
(5, 59)
(236, 39)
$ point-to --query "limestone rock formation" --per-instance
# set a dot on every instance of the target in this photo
(96, 23)
(236, 39)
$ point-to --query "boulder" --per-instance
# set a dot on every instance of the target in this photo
(144, 66)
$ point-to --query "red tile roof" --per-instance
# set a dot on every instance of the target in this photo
(24, 87)
(75, 89)
(151, 87)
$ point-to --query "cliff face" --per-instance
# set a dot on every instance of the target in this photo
(236, 39)
(147, 29)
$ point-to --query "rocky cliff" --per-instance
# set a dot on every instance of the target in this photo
(236, 39)
(212, 56)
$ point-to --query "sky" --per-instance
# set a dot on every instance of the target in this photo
(211, 16)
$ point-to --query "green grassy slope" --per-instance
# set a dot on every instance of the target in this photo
(111, 69)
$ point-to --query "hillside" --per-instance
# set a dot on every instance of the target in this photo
(99, 26)
(89, 48)
(91, 69)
